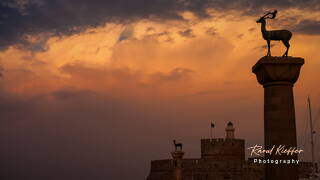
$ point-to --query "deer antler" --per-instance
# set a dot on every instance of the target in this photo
(273, 15)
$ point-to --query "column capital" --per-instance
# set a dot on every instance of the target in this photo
(177, 154)
(273, 71)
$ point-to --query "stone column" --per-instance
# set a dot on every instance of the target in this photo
(278, 75)
(177, 160)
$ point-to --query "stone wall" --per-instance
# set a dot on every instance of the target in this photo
(209, 169)
(223, 149)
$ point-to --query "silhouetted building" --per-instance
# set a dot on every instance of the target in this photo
(221, 159)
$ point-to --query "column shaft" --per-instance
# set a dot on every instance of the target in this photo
(278, 75)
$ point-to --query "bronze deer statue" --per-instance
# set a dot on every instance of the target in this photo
(176, 145)
(277, 35)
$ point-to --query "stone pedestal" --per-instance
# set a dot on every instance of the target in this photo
(278, 75)
(177, 160)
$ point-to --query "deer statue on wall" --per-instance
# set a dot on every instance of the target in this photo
(177, 145)
(278, 35)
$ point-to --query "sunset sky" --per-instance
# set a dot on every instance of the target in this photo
(96, 89)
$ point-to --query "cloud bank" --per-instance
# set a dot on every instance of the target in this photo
(19, 18)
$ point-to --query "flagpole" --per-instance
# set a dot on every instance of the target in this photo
(312, 142)
(211, 130)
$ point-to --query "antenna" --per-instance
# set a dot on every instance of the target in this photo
(312, 142)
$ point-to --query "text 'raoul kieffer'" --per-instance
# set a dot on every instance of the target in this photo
(279, 150)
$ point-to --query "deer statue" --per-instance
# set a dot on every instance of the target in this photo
(177, 145)
(278, 35)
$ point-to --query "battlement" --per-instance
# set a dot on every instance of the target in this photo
(223, 149)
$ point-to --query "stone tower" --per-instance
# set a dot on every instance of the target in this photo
(228, 149)
(230, 131)
(277, 75)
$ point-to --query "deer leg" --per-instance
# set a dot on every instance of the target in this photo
(269, 53)
(286, 43)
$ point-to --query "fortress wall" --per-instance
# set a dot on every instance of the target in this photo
(211, 169)
(223, 149)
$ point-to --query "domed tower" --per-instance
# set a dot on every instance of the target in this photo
(230, 131)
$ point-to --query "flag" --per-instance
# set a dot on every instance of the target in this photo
(212, 125)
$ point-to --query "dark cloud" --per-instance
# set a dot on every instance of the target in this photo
(265, 46)
(150, 29)
(127, 33)
(65, 17)
(252, 29)
(60, 17)
(211, 31)
(174, 75)
(151, 34)
(309, 27)
(187, 33)
(240, 36)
